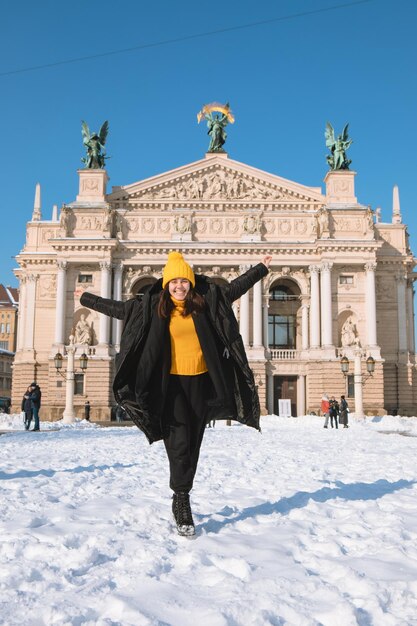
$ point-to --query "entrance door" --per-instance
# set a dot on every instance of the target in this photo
(285, 387)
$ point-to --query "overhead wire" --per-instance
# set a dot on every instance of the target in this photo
(185, 38)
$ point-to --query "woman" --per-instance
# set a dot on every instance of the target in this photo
(27, 407)
(325, 407)
(181, 364)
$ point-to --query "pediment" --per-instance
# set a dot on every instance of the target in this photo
(217, 179)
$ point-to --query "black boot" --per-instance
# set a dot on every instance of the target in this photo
(182, 514)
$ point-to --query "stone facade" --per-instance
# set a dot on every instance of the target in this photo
(339, 284)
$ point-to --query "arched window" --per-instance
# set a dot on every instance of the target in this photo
(282, 318)
(142, 286)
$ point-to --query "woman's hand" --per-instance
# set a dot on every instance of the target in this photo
(267, 260)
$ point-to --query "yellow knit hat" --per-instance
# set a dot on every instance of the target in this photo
(177, 267)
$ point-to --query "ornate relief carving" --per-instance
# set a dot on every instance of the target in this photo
(225, 185)
(216, 226)
(182, 224)
(300, 226)
(164, 225)
(269, 225)
(232, 226)
(284, 226)
(47, 287)
(252, 224)
(89, 184)
(89, 223)
(133, 225)
(148, 225)
(323, 219)
(200, 225)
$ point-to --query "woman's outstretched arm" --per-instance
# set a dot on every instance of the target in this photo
(243, 283)
(112, 308)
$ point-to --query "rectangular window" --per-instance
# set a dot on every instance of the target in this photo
(78, 384)
(2, 327)
(281, 331)
(4, 345)
(7, 328)
(350, 386)
(346, 280)
(85, 278)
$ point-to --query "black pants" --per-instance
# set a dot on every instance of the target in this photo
(333, 417)
(186, 411)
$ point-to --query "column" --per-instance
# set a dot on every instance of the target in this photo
(117, 295)
(30, 311)
(358, 384)
(61, 298)
(314, 307)
(370, 303)
(304, 326)
(301, 395)
(402, 313)
(270, 394)
(410, 316)
(104, 329)
(257, 314)
(69, 414)
(21, 314)
(326, 305)
(244, 313)
(266, 321)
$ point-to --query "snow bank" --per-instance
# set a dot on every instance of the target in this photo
(296, 526)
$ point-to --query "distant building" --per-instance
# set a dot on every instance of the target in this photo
(9, 302)
(340, 283)
(6, 368)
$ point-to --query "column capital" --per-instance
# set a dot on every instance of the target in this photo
(326, 266)
(370, 266)
(62, 264)
(118, 266)
(105, 265)
(314, 269)
(400, 277)
(244, 268)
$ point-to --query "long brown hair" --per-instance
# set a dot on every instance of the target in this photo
(194, 303)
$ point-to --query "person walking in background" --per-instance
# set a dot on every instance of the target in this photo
(27, 407)
(35, 397)
(325, 407)
(182, 363)
(334, 411)
(87, 410)
(344, 411)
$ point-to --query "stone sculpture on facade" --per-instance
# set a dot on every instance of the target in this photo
(83, 331)
(182, 224)
(216, 124)
(252, 224)
(66, 221)
(94, 144)
(348, 334)
(323, 223)
(338, 146)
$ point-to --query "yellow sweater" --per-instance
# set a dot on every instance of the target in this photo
(186, 354)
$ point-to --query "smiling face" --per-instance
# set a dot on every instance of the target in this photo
(178, 288)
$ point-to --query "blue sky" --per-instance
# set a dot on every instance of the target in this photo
(284, 80)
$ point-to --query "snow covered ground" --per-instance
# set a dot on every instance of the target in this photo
(297, 525)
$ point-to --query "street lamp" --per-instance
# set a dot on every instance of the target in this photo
(69, 413)
(358, 378)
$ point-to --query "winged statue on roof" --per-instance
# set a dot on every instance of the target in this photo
(94, 144)
(338, 146)
(216, 124)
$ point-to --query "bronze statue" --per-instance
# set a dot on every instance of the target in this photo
(94, 144)
(216, 124)
(337, 159)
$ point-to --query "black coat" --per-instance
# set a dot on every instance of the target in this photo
(144, 361)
